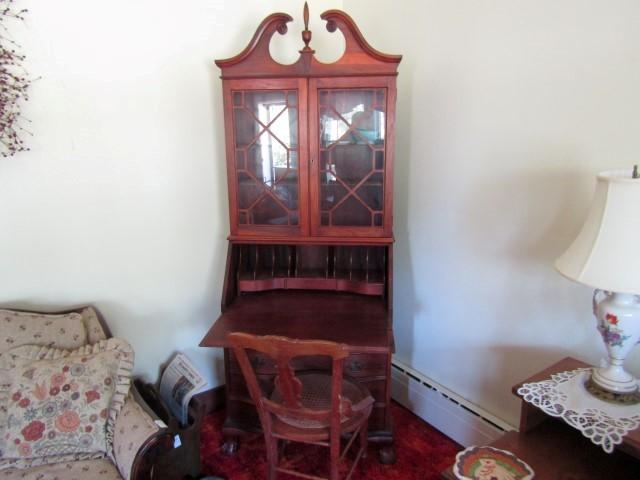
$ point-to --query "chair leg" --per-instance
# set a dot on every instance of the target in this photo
(334, 458)
(364, 438)
(272, 457)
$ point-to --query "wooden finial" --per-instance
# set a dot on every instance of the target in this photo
(305, 15)
(306, 33)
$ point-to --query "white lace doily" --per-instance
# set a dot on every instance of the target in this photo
(565, 396)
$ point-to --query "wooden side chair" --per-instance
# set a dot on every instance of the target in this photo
(314, 407)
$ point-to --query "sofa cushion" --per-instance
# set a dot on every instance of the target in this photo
(60, 402)
(65, 330)
(99, 469)
(95, 330)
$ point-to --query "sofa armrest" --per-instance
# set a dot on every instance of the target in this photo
(138, 440)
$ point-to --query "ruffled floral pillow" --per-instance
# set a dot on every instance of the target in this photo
(58, 405)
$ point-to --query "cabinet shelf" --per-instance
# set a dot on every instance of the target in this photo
(357, 269)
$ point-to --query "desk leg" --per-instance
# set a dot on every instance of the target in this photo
(383, 440)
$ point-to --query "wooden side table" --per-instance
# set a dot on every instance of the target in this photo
(557, 451)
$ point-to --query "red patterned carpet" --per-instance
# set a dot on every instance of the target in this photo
(423, 452)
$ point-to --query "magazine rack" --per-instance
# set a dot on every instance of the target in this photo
(183, 461)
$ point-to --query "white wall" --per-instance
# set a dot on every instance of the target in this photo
(507, 109)
(122, 200)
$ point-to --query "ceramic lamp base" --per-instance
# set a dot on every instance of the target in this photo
(618, 317)
(615, 379)
(611, 397)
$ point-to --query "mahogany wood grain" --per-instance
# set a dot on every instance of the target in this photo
(229, 287)
(363, 288)
(359, 321)
(359, 57)
(301, 298)
(360, 67)
(308, 240)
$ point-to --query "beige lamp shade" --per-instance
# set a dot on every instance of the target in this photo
(606, 253)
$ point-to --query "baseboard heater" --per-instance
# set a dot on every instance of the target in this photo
(454, 416)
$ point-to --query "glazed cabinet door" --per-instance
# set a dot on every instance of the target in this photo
(267, 156)
(351, 124)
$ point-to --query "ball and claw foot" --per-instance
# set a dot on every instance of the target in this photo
(387, 455)
(230, 446)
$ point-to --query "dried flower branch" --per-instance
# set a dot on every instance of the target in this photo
(14, 84)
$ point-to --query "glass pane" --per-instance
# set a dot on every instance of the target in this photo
(266, 157)
(379, 160)
(293, 159)
(351, 163)
(248, 190)
(332, 191)
(349, 102)
(268, 212)
(352, 156)
(323, 95)
(292, 98)
(351, 212)
(266, 138)
(371, 192)
(265, 105)
(287, 190)
(246, 127)
(285, 127)
(325, 160)
(368, 126)
(240, 160)
(332, 127)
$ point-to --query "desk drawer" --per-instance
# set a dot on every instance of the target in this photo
(265, 365)
(262, 364)
(237, 387)
(362, 365)
(358, 365)
(377, 389)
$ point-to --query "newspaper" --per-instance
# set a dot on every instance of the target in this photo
(180, 381)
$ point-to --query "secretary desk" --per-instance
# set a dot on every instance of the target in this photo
(310, 152)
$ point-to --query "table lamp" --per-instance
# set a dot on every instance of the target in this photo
(606, 256)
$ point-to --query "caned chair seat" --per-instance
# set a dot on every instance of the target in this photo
(316, 395)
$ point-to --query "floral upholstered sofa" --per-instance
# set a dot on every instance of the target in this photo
(68, 408)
